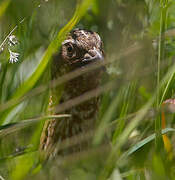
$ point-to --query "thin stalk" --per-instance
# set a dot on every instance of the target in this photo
(166, 88)
(163, 18)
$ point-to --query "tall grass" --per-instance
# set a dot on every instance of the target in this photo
(127, 139)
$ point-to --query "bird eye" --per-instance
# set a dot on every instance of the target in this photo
(69, 49)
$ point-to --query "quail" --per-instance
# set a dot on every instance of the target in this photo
(80, 49)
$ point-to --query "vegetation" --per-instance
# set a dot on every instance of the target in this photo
(134, 134)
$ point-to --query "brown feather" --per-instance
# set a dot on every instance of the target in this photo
(79, 45)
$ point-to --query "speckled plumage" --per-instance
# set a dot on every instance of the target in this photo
(79, 49)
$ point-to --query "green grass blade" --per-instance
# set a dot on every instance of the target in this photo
(161, 57)
(28, 161)
(105, 120)
(3, 6)
(146, 141)
(166, 89)
(53, 47)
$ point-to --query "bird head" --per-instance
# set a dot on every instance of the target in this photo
(82, 47)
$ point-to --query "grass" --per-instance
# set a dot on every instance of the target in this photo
(127, 142)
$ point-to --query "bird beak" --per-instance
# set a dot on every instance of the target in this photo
(93, 56)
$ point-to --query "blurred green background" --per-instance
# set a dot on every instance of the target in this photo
(139, 43)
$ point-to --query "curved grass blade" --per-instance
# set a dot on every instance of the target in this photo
(13, 127)
(3, 6)
(146, 141)
(107, 117)
(53, 48)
